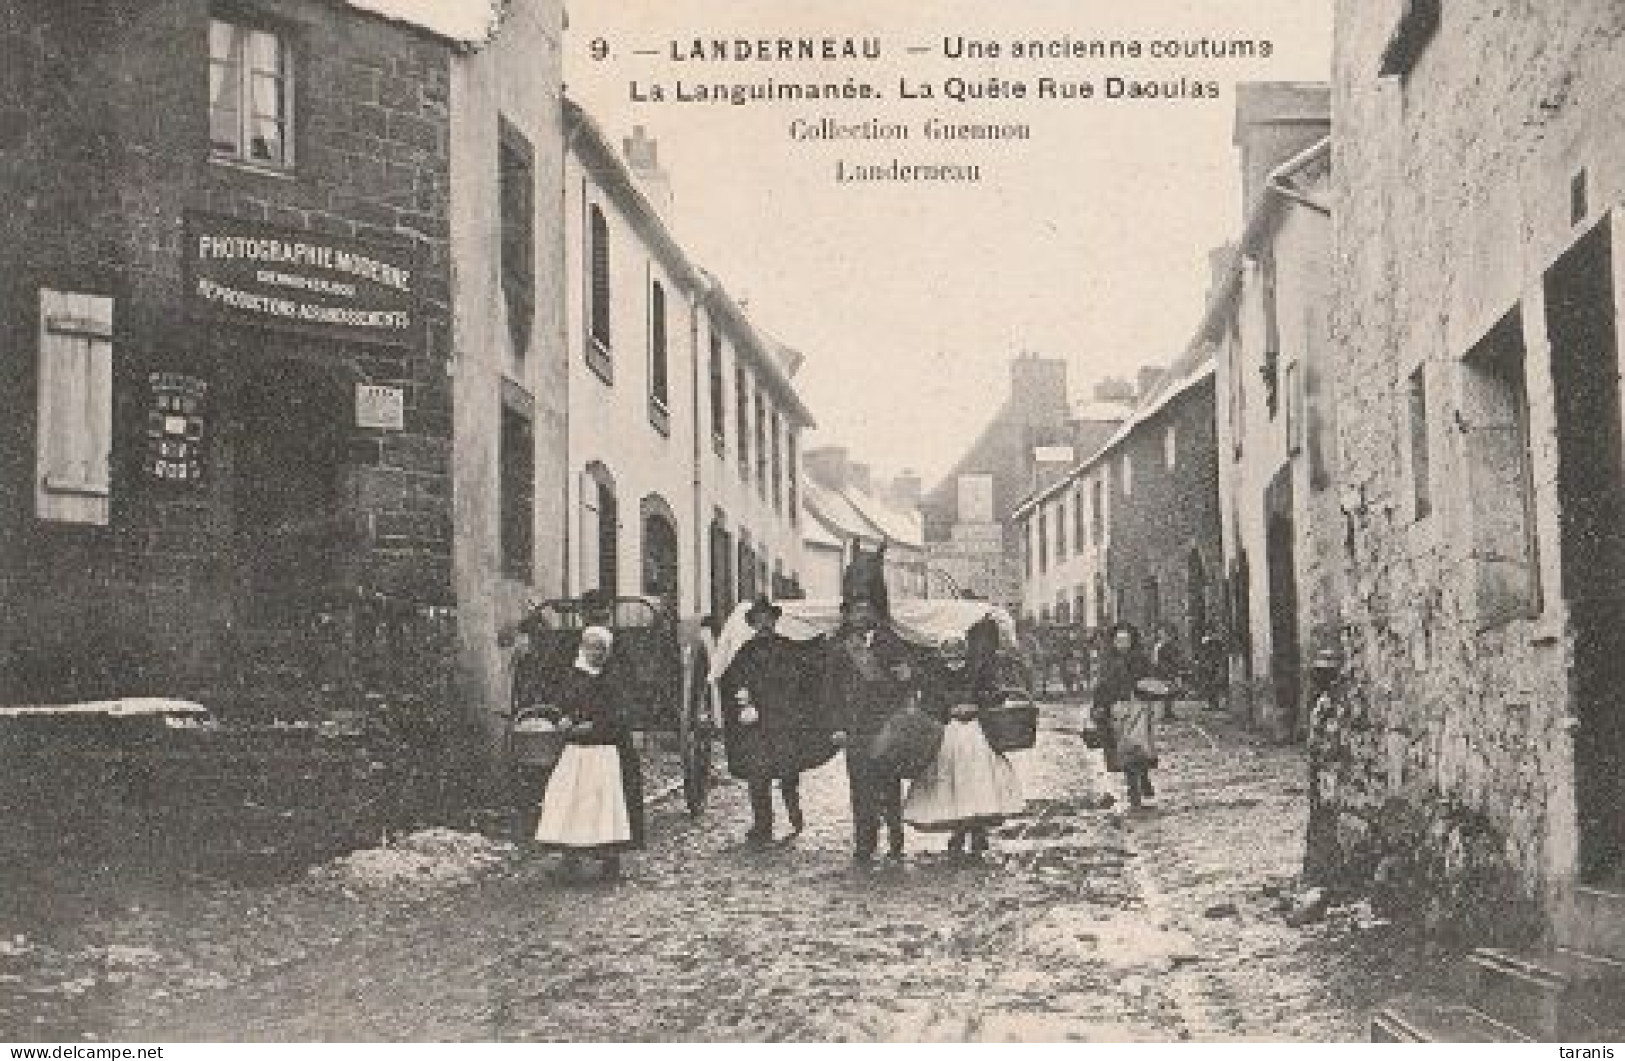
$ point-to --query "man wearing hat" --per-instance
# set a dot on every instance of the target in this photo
(867, 680)
(769, 726)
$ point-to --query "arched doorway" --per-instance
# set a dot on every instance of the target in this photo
(660, 549)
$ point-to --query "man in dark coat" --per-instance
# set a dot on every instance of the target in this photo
(770, 730)
(867, 680)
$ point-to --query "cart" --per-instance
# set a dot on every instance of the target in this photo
(662, 665)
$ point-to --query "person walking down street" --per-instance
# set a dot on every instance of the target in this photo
(1168, 665)
(770, 729)
(593, 803)
(970, 787)
(1123, 665)
(1210, 668)
(867, 679)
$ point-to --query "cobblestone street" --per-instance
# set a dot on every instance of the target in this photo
(1086, 923)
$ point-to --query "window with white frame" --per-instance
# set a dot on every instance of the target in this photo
(75, 410)
(250, 94)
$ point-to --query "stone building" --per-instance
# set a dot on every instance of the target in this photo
(1472, 753)
(225, 238)
(1132, 532)
(846, 509)
(1266, 322)
(684, 426)
(1035, 436)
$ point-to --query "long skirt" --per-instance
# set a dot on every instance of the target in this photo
(969, 784)
(584, 807)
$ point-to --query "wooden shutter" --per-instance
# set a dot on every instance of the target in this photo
(75, 425)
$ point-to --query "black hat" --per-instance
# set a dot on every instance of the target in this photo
(761, 605)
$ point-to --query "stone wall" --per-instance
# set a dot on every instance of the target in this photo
(1444, 760)
(99, 168)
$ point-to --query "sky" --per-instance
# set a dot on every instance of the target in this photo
(1089, 241)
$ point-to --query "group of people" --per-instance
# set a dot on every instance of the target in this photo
(788, 707)
(1204, 674)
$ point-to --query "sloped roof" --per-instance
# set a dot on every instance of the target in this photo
(898, 526)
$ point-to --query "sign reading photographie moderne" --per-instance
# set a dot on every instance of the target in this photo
(286, 278)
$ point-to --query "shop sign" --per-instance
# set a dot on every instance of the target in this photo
(288, 278)
(382, 408)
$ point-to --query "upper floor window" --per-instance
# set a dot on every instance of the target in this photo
(659, 360)
(250, 94)
(742, 402)
(719, 410)
(1097, 511)
(1170, 446)
(598, 294)
(778, 462)
(1060, 529)
(761, 445)
(1416, 394)
(1127, 472)
(516, 180)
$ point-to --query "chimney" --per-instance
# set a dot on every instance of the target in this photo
(827, 466)
(1038, 389)
(859, 477)
(643, 159)
(1274, 121)
(907, 489)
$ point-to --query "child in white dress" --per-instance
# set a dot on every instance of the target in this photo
(970, 787)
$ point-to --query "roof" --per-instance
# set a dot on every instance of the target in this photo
(1165, 393)
(900, 527)
(1293, 182)
(467, 22)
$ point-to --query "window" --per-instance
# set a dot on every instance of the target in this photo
(761, 446)
(747, 567)
(516, 487)
(1421, 487)
(1170, 447)
(1060, 529)
(598, 294)
(742, 401)
(600, 530)
(1153, 604)
(1127, 472)
(660, 549)
(778, 462)
(1080, 519)
(1505, 549)
(75, 428)
(1270, 369)
(719, 414)
(516, 180)
(659, 360)
(792, 471)
(1294, 410)
(1097, 511)
(1030, 540)
(722, 566)
(250, 94)
(1043, 541)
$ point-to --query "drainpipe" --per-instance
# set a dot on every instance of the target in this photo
(702, 603)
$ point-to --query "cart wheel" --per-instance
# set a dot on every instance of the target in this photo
(693, 731)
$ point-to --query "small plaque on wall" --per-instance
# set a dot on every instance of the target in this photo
(383, 408)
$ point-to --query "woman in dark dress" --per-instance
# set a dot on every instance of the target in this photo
(593, 804)
(1123, 665)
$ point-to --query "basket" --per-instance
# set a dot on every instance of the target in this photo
(1011, 726)
(536, 743)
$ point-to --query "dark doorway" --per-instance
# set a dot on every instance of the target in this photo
(660, 572)
(1196, 597)
(722, 565)
(1580, 323)
(1283, 591)
(292, 524)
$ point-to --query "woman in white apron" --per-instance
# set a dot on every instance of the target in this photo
(585, 810)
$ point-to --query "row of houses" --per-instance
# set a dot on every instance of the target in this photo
(1414, 480)
(334, 313)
